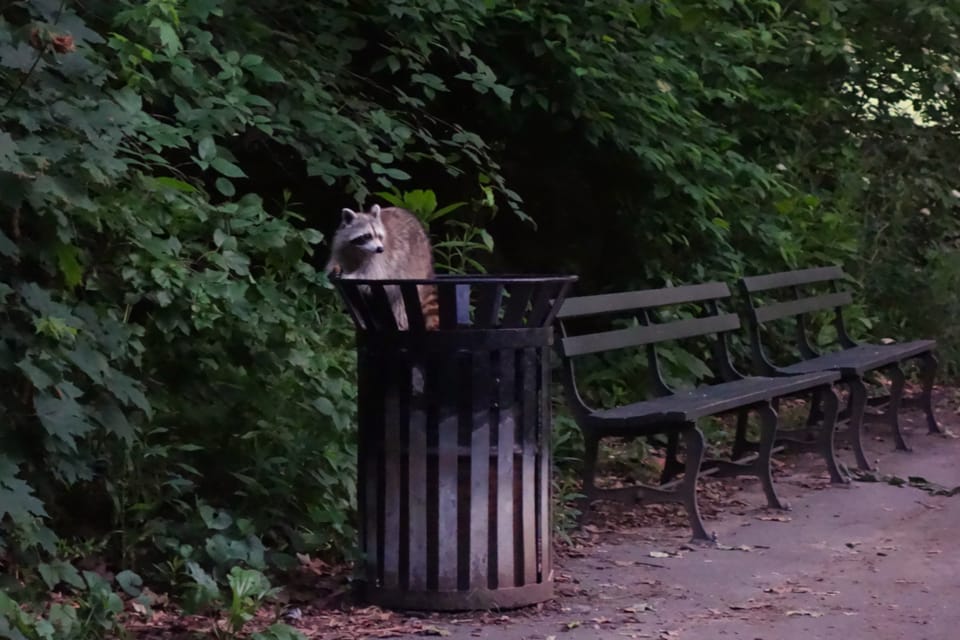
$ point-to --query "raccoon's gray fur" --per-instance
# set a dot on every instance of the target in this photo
(384, 244)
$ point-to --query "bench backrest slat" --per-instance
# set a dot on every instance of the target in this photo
(805, 300)
(647, 334)
(778, 310)
(582, 306)
(754, 284)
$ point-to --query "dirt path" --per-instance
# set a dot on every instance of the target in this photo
(870, 561)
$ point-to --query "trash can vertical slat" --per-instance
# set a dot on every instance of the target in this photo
(431, 391)
(417, 489)
(380, 308)
(404, 385)
(454, 441)
(544, 482)
(356, 303)
(506, 436)
(480, 471)
(528, 453)
(411, 307)
(364, 455)
(540, 305)
(447, 486)
(391, 472)
(380, 484)
(464, 386)
(368, 467)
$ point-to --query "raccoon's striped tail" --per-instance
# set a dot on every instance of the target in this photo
(430, 305)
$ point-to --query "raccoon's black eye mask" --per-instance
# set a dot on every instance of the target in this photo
(367, 237)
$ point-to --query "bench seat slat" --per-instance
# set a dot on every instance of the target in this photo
(766, 282)
(689, 405)
(778, 310)
(861, 359)
(647, 334)
(581, 306)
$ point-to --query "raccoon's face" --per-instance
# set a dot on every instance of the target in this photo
(362, 230)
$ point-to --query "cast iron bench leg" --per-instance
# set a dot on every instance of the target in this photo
(858, 406)
(816, 413)
(928, 371)
(741, 446)
(828, 407)
(768, 437)
(695, 448)
(897, 380)
(672, 467)
(591, 449)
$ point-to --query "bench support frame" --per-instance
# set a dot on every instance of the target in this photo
(749, 458)
(856, 414)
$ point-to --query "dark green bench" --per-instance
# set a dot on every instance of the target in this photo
(852, 360)
(586, 326)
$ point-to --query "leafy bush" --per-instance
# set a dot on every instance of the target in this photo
(177, 379)
(166, 342)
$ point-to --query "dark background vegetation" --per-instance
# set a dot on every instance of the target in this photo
(176, 376)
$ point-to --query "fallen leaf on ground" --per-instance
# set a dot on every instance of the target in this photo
(804, 612)
(775, 518)
(638, 608)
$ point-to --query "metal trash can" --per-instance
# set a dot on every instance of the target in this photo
(454, 461)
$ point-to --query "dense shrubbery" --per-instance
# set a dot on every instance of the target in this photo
(176, 377)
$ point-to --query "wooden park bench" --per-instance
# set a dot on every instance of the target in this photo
(852, 360)
(675, 414)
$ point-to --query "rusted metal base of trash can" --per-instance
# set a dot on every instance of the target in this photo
(454, 465)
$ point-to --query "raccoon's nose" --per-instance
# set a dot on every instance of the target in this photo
(379, 249)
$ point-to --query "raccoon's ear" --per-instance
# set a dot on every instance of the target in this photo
(349, 215)
(375, 211)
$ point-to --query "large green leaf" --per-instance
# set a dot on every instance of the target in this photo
(17, 499)
(53, 573)
(61, 417)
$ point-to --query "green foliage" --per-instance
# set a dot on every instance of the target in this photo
(176, 377)
(460, 247)
(91, 613)
(277, 631)
(248, 589)
(422, 203)
(567, 444)
(166, 343)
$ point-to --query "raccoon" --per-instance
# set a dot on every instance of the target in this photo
(385, 244)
